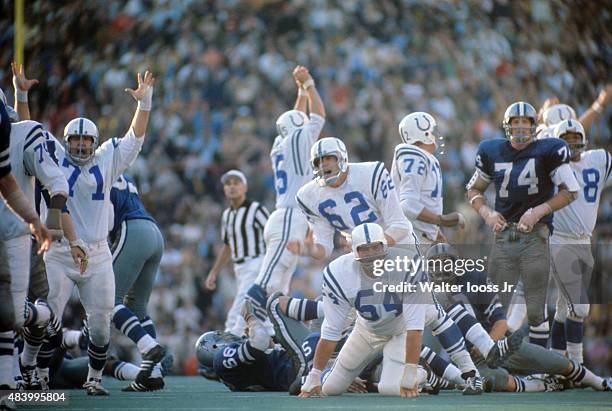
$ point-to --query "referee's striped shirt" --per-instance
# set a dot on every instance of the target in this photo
(242, 229)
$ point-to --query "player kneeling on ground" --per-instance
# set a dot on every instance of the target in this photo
(388, 322)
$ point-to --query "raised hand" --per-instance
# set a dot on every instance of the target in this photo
(145, 86)
(20, 81)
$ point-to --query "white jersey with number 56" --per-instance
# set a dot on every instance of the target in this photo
(90, 184)
(593, 172)
(291, 161)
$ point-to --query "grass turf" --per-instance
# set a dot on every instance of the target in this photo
(196, 393)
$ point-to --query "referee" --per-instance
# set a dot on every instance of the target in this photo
(242, 226)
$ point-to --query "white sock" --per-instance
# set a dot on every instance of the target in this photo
(43, 373)
(453, 374)
(156, 371)
(29, 354)
(592, 380)
(574, 352)
(126, 371)
(145, 344)
(97, 374)
(528, 384)
(480, 338)
(463, 360)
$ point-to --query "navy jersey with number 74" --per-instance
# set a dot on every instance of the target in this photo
(522, 178)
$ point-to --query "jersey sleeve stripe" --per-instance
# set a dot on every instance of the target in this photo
(378, 167)
(382, 172)
(297, 151)
(411, 152)
(293, 156)
(608, 165)
(303, 206)
(37, 127)
(330, 279)
(32, 140)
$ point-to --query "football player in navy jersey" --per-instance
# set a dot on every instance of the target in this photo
(138, 246)
(525, 172)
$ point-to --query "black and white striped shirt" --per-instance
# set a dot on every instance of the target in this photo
(242, 229)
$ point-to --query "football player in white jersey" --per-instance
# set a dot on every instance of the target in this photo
(417, 174)
(91, 172)
(289, 155)
(387, 322)
(345, 195)
(570, 245)
(11, 195)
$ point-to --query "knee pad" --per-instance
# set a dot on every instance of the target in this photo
(578, 312)
(98, 324)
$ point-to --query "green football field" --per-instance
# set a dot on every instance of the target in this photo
(196, 393)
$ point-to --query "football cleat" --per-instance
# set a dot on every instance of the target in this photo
(94, 387)
(149, 359)
(30, 379)
(503, 349)
(552, 384)
(152, 384)
(473, 384)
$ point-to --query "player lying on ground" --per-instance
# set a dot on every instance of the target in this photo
(527, 358)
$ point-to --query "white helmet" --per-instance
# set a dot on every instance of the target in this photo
(557, 113)
(13, 116)
(419, 127)
(81, 127)
(290, 121)
(328, 146)
(572, 126)
(368, 233)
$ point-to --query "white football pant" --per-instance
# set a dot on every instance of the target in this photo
(245, 273)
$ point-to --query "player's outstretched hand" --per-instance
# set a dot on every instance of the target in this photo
(145, 86)
(20, 82)
(314, 392)
(42, 235)
(406, 393)
(312, 385)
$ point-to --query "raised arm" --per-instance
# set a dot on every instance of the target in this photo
(144, 96)
(597, 108)
(22, 85)
(315, 103)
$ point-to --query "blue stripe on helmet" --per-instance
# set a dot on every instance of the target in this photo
(81, 127)
(367, 233)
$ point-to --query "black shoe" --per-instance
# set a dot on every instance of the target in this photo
(473, 384)
(503, 349)
(152, 384)
(149, 359)
(30, 379)
(94, 387)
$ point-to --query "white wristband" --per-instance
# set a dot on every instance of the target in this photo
(21, 95)
(302, 92)
(598, 108)
(147, 100)
(409, 376)
(308, 83)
